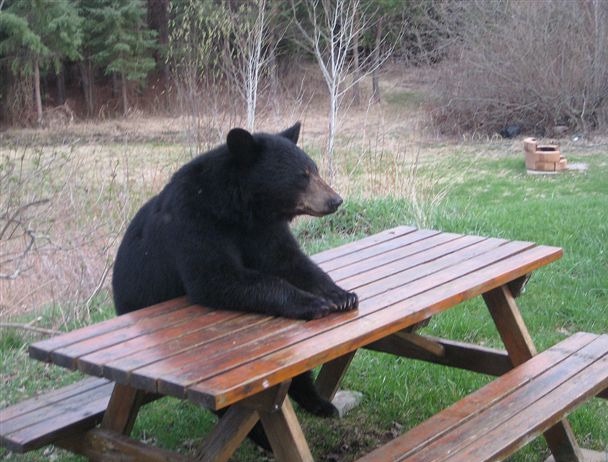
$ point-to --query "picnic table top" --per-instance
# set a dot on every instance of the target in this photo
(217, 358)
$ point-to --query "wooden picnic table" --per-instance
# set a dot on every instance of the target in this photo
(244, 362)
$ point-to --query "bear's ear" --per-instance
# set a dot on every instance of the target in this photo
(292, 133)
(241, 145)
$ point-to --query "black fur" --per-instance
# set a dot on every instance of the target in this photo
(219, 234)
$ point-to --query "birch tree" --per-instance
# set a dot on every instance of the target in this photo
(249, 49)
(329, 29)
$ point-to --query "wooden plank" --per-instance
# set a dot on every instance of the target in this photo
(232, 428)
(122, 409)
(67, 356)
(421, 342)
(109, 446)
(379, 261)
(359, 244)
(285, 435)
(49, 397)
(538, 417)
(46, 432)
(176, 380)
(510, 324)
(430, 260)
(455, 354)
(398, 310)
(121, 368)
(75, 404)
(441, 424)
(499, 412)
(170, 375)
(40, 350)
(94, 362)
(515, 336)
(438, 270)
(331, 374)
(378, 249)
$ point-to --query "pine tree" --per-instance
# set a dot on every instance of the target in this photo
(120, 41)
(38, 34)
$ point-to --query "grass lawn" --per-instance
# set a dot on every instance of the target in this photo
(495, 197)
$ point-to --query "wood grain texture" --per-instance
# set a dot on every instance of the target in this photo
(38, 421)
(285, 434)
(455, 354)
(501, 417)
(108, 446)
(402, 276)
(41, 350)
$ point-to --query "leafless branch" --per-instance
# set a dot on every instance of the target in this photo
(28, 327)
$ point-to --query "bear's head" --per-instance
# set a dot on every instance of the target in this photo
(277, 177)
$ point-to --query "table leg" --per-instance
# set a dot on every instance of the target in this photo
(519, 345)
(229, 433)
(279, 420)
(285, 434)
(331, 374)
(122, 409)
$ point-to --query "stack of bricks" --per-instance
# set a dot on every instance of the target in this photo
(543, 158)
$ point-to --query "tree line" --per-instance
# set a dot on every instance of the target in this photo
(495, 63)
(89, 48)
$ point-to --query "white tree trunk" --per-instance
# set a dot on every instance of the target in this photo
(37, 95)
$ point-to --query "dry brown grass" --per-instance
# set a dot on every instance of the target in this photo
(98, 174)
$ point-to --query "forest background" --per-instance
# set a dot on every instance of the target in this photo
(538, 65)
(414, 109)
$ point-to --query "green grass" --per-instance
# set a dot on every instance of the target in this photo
(495, 198)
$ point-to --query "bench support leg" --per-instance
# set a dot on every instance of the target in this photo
(520, 347)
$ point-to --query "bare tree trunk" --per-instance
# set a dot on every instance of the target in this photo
(356, 65)
(376, 66)
(125, 102)
(255, 62)
(86, 74)
(37, 95)
(158, 19)
(331, 132)
(60, 86)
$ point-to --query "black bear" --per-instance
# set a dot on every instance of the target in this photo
(219, 234)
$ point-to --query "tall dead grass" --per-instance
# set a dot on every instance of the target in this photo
(63, 209)
(537, 64)
(75, 190)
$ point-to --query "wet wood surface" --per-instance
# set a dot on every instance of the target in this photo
(217, 358)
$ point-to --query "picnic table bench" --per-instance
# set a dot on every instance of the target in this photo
(243, 362)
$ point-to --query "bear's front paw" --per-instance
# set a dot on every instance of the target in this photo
(315, 308)
(343, 300)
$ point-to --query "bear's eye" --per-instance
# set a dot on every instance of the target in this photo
(305, 174)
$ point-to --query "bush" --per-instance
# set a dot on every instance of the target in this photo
(536, 64)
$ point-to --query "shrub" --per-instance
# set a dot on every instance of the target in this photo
(536, 64)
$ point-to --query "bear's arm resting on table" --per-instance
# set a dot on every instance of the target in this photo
(223, 282)
(304, 274)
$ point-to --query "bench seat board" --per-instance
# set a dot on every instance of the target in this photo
(510, 411)
(39, 421)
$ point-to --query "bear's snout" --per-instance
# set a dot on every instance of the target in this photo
(334, 202)
(318, 199)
